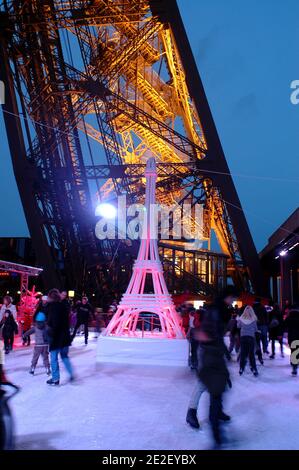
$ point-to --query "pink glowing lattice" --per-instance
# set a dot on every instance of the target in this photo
(135, 301)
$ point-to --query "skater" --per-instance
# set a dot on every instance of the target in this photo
(248, 328)
(41, 307)
(194, 323)
(197, 392)
(41, 347)
(59, 336)
(262, 323)
(286, 309)
(292, 328)
(258, 351)
(9, 329)
(99, 318)
(26, 325)
(276, 330)
(84, 311)
(65, 300)
(212, 371)
(234, 333)
(8, 305)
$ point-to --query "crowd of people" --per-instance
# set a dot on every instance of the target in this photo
(215, 333)
(54, 324)
(249, 330)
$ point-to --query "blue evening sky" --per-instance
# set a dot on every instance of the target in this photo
(247, 55)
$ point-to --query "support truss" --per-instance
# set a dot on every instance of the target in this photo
(119, 76)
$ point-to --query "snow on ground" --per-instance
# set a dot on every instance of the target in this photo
(135, 407)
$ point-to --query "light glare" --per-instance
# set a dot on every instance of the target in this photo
(108, 211)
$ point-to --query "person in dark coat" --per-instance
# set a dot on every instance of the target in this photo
(262, 323)
(65, 300)
(9, 329)
(42, 306)
(292, 328)
(213, 373)
(276, 330)
(84, 312)
(59, 336)
(194, 323)
(234, 332)
(26, 324)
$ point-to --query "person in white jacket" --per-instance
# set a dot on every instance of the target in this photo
(8, 305)
(247, 323)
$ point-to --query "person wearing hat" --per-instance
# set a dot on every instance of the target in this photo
(41, 347)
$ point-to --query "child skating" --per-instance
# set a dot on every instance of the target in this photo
(10, 328)
(41, 347)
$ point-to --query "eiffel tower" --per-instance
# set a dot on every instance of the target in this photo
(91, 87)
(148, 264)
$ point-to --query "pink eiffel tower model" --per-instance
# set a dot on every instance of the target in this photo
(135, 300)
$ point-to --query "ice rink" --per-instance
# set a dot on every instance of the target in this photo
(144, 407)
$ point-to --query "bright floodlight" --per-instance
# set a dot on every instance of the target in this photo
(108, 211)
(282, 253)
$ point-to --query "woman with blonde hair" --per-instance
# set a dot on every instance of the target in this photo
(247, 324)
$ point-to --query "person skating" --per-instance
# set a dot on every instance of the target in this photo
(212, 371)
(26, 325)
(9, 329)
(262, 323)
(248, 329)
(234, 333)
(8, 305)
(194, 322)
(65, 300)
(258, 350)
(84, 311)
(191, 417)
(292, 328)
(286, 309)
(59, 336)
(276, 330)
(42, 306)
(41, 347)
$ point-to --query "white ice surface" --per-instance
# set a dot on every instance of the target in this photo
(141, 351)
(144, 407)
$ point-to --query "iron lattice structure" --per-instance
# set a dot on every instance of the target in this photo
(119, 74)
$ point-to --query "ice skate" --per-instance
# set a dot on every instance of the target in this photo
(48, 371)
(52, 382)
(31, 371)
(191, 418)
(224, 417)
